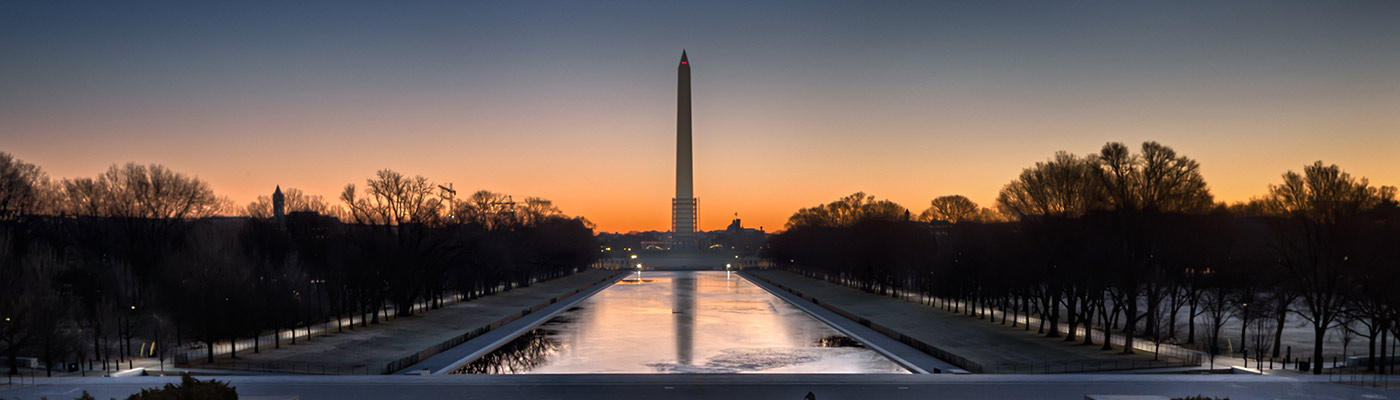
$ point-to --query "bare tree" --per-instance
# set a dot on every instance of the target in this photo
(1324, 193)
(37, 312)
(848, 211)
(1312, 242)
(991, 215)
(1347, 330)
(1138, 189)
(1049, 200)
(1064, 186)
(140, 211)
(23, 188)
(18, 308)
(536, 210)
(1217, 312)
(213, 287)
(142, 191)
(393, 199)
(1157, 180)
(954, 209)
(1262, 339)
(486, 208)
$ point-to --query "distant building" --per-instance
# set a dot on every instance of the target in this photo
(738, 239)
(734, 226)
(279, 207)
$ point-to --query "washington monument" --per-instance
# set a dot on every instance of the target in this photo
(684, 206)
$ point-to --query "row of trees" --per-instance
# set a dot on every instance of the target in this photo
(138, 254)
(1132, 243)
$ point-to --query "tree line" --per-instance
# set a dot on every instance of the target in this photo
(94, 268)
(1129, 243)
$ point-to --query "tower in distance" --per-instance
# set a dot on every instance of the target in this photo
(684, 207)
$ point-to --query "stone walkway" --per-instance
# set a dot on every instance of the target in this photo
(993, 347)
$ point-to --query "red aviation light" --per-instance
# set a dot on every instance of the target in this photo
(684, 62)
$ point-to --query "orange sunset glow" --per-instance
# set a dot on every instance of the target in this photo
(777, 199)
(578, 106)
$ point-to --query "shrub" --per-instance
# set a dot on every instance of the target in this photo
(189, 389)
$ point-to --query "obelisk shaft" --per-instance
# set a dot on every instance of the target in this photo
(684, 206)
(684, 173)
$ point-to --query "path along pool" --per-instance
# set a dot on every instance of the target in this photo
(682, 322)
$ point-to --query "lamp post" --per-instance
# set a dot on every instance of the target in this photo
(1244, 308)
(129, 361)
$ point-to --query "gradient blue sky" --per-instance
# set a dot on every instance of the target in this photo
(796, 103)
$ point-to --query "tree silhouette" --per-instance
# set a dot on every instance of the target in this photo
(118, 254)
(143, 209)
(1156, 180)
(1065, 186)
(1048, 198)
(537, 210)
(848, 211)
(211, 289)
(23, 188)
(51, 323)
(151, 192)
(858, 241)
(392, 199)
(1140, 191)
(1096, 238)
(954, 209)
(1375, 303)
(1317, 238)
(486, 208)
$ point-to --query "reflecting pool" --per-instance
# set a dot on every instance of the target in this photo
(682, 322)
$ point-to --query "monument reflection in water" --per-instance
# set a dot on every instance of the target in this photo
(683, 322)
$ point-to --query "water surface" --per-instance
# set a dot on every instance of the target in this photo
(683, 322)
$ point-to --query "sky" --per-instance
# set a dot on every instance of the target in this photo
(795, 103)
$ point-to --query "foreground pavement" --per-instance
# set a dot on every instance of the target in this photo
(743, 386)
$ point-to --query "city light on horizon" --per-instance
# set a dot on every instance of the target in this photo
(794, 106)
